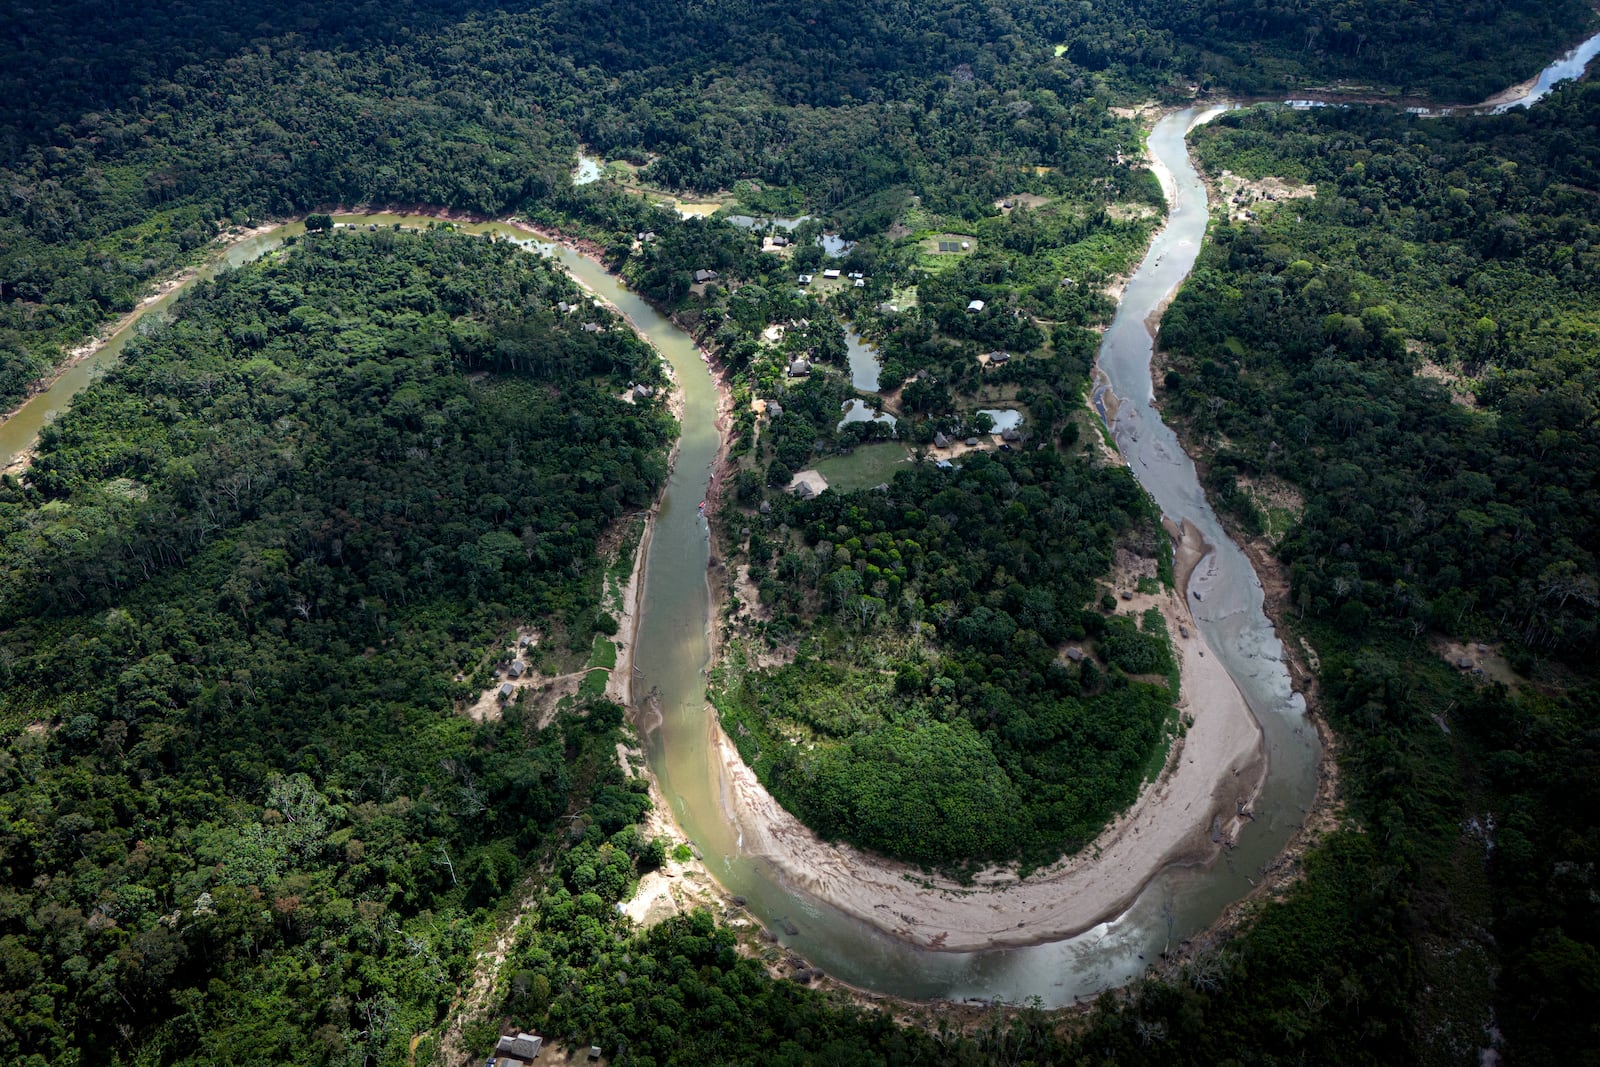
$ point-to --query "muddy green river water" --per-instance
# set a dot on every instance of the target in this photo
(673, 639)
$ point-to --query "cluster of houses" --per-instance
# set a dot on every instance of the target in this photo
(1008, 437)
(513, 669)
(858, 279)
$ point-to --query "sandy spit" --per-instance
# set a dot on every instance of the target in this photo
(86, 349)
(620, 685)
(1213, 773)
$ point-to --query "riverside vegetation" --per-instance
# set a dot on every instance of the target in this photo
(236, 586)
(930, 714)
(131, 137)
(238, 812)
(1413, 352)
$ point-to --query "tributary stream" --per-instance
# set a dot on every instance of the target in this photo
(673, 644)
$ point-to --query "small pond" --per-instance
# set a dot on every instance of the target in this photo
(864, 362)
(590, 169)
(835, 246)
(861, 411)
(1004, 418)
(753, 222)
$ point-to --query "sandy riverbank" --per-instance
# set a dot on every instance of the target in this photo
(86, 350)
(619, 686)
(1213, 773)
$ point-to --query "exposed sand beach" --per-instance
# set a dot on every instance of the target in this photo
(1213, 774)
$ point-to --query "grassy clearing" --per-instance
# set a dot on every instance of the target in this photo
(864, 468)
(1280, 521)
(904, 298)
(594, 683)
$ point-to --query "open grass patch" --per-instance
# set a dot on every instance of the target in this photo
(604, 654)
(594, 683)
(864, 468)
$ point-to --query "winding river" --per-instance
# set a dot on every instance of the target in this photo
(673, 639)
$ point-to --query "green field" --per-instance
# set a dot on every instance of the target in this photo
(864, 468)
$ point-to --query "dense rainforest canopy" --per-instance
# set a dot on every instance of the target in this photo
(1413, 353)
(253, 575)
(234, 593)
(131, 133)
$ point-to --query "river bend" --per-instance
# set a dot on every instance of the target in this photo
(672, 649)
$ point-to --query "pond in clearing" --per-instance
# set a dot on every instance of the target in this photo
(1004, 418)
(751, 222)
(864, 468)
(590, 168)
(835, 246)
(861, 411)
(864, 363)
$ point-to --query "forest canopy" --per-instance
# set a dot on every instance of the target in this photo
(253, 574)
(132, 134)
(249, 580)
(1412, 352)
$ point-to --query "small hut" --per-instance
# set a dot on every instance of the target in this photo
(799, 368)
(524, 1047)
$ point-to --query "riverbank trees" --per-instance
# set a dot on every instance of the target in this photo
(932, 711)
(346, 823)
(1412, 351)
(134, 136)
(239, 808)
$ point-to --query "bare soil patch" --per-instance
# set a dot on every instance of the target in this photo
(1244, 197)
